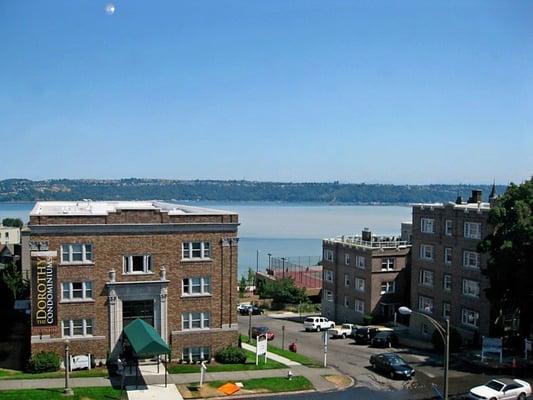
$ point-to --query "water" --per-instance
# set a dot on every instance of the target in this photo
(285, 229)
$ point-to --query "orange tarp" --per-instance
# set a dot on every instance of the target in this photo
(229, 388)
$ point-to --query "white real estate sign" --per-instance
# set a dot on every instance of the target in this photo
(493, 346)
(261, 347)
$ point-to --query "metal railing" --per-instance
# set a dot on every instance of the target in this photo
(380, 242)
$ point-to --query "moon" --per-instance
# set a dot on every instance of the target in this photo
(110, 9)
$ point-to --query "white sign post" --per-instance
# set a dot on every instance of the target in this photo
(261, 347)
(325, 335)
(203, 368)
(492, 345)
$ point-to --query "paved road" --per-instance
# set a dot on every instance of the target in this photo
(352, 359)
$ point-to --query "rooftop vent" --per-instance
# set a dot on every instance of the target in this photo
(476, 196)
(366, 235)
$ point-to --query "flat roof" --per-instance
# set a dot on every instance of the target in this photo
(462, 206)
(89, 207)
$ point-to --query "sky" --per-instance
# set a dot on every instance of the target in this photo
(404, 92)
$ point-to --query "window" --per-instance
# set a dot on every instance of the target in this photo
(196, 286)
(446, 310)
(328, 255)
(470, 259)
(76, 290)
(76, 253)
(360, 284)
(346, 302)
(360, 262)
(448, 227)
(359, 306)
(426, 252)
(448, 252)
(7, 235)
(472, 230)
(388, 287)
(328, 295)
(426, 277)
(195, 320)
(193, 354)
(471, 288)
(387, 264)
(77, 327)
(347, 280)
(328, 276)
(470, 318)
(425, 304)
(426, 225)
(447, 283)
(196, 251)
(347, 258)
(137, 264)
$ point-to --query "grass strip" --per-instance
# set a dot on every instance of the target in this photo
(300, 358)
(89, 393)
(273, 385)
(86, 373)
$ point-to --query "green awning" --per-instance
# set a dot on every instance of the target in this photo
(145, 340)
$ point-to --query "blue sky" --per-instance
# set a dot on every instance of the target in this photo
(283, 90)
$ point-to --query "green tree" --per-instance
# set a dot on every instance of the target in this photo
(13, 222)
(11, 275)
(282, 291)
(510, 250)
(251, 277)
(242, 286)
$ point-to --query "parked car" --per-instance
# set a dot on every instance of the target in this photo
(251, 309)
(343, 331)
(497, 389)
(392, 365)
(364, 334)
(384, 339)
(262, 330)
(318, 324)
(242, 307)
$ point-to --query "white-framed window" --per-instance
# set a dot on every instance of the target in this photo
(71, 291)
(137, 264)
(360, 262)
(76, 253)
(346, 301)
(470, 259)
(196, 286)
(425, 304)
(427, 225)
(359, 306)
(196, 251)
(328, 255)
(359, 284)
(328, 275)
(387, 264)
(446, 310)
(448, 255)
(426, 277)
(328, 295)
(472, 230)
(471, 288)
(347, 258)
(470, 318)
(194, 320)
(424, 330)
(347, 280)
(77, 327)
(193, 354)
(388, 287)
(448, 227)
(426, 252)
(447, 283)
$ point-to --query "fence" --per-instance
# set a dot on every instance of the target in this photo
(304, 270)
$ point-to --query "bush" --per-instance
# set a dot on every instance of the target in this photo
(231, 355)
(368, 319)
(455, 340)
(45, 361)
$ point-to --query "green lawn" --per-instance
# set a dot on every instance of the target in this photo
(11, 374)
(273, 385)
(216, 367)
(97, 393)
(304, 360)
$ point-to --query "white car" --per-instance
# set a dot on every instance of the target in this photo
(502, 389)
(318, 324)
(343, 331)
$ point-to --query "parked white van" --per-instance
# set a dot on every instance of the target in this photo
(318, 324)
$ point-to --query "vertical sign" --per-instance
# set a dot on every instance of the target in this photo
(44, 288)
(261, 348)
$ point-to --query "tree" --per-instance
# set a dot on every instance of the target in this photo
(251, 277)
(510, 250)
(13, 222)
(282, 291)
(242, 286)
(12, 277)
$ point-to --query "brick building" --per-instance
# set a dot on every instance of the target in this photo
(365, 275)
(447, 279)
(111, 262)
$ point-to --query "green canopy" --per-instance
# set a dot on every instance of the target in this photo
(144, 339)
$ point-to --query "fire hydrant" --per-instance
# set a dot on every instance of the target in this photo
(292, 347)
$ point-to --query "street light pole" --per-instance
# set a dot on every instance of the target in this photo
(67, 391)
(283, 265)
(269, 265)
(447, 358)
(256, 268)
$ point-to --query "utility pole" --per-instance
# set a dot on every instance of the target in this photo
(67, 391)
(283, 265)
(256, 268)
(283, 337)
(250, 324)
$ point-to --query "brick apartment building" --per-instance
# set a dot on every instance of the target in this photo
(96, 266)
(365, 275)
(446, 278)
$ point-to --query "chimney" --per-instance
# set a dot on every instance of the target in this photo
(476, 196)
(366, 235)
(459, 200)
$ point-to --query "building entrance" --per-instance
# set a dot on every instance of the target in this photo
(133, 309)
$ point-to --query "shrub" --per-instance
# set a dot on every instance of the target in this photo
(45, 361)
(368, 319)
(231, 355)
(455, 340)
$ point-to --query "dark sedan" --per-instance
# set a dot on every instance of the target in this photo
(254, 310)
(364, 334)
(384, 339)
(262, 330)
(392, 365)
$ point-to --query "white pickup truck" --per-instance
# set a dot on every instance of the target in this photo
(343, 331)
(318, 324)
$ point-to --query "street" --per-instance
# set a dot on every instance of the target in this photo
(353, 360)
